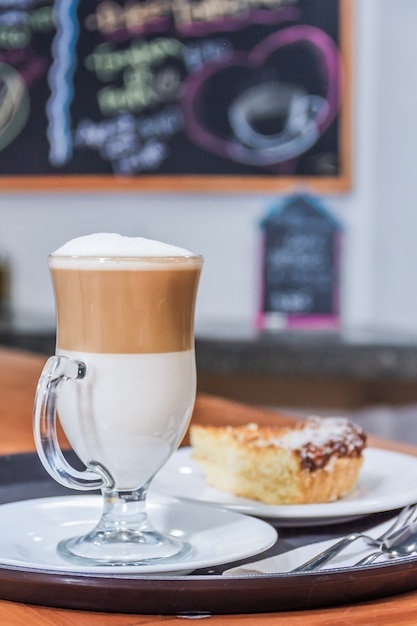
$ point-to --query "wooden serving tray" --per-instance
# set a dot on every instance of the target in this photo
(203, 591)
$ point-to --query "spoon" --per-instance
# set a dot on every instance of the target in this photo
(402, 542)
(404, 518)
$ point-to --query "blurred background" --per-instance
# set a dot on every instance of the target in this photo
(369, 368)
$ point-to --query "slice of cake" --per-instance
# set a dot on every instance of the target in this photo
(317, 460)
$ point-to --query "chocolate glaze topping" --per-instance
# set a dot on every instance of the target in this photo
(316, 441)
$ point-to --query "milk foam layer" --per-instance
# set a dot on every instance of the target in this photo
(118, 246)
(130, 412)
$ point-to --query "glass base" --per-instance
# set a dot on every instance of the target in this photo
(123, 536)
(128, 549)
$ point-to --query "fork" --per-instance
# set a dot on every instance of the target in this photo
(400, 544)
(404, 517)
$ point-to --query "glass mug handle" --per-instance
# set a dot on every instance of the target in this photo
(57, 370)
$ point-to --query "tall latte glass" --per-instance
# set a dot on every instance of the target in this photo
(123, 382)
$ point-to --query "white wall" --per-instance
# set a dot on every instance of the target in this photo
(395, 194)
(224, 228)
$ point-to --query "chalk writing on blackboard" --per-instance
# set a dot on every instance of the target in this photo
(300, 266)
(171, 87)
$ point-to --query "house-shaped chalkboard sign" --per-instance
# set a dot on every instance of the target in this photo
(300, 266)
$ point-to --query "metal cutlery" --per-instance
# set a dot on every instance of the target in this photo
(401, 543)
(406, 516)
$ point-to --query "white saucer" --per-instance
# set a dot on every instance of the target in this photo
(31, 530)
(387, 481)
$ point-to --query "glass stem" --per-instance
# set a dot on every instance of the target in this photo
(124, 511)
(123, 535)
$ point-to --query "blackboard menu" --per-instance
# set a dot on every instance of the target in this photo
(300, 266)
(173, 93)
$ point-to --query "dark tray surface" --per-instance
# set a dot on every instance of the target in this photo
(206, 591)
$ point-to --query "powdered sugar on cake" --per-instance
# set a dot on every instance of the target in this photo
(315, 440)
(315, 460)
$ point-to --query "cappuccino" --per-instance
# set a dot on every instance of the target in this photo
(125, 307)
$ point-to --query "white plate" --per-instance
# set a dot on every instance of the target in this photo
(387, 481)
(31, 530)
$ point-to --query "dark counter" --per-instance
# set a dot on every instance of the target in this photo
(306, 369)
(358, 356)
(39, 341)
(227, 351)
(288, 368)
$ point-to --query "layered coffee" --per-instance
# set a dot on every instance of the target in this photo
(125, 307)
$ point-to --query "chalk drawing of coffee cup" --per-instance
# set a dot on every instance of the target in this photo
(240, 108)
(14, 104)
(276, 121)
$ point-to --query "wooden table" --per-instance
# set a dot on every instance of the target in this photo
(19, 373)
